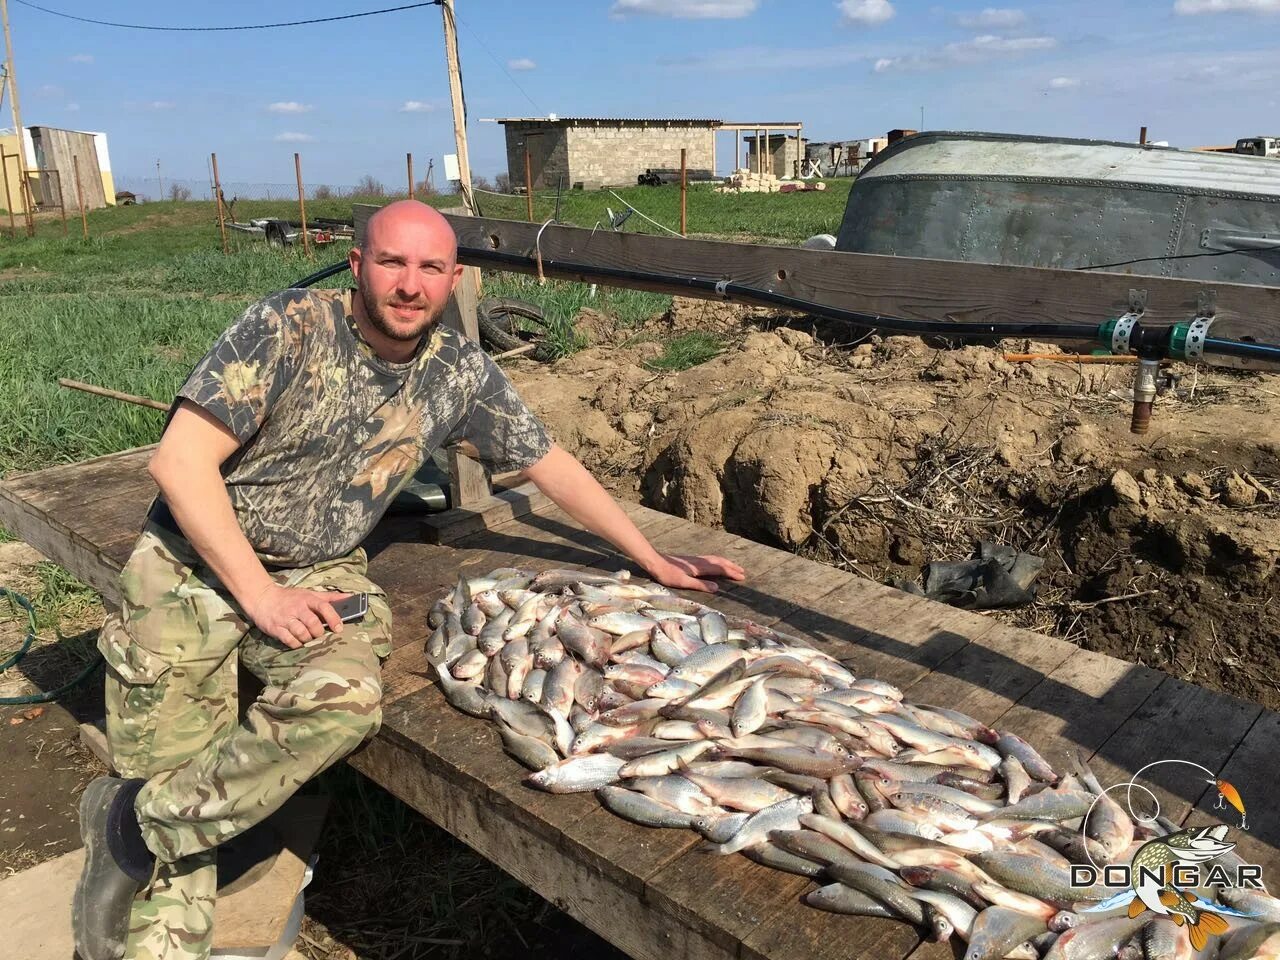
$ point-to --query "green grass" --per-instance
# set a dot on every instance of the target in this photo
(60, 594)
(138, 303)
(687, 350)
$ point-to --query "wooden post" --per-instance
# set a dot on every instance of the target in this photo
(11, 74)
(8, 199)
(302, 205)
(62, 202)
(528, 183)
(217, 194)
(469, 485)
(1142, 136)
(84, 223)
(408, 159)
(159, 179)
(684, 190)
(459, 108)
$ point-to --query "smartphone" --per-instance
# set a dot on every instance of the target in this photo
(353, 608)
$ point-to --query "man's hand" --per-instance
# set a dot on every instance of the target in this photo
(683, 573)
(295, 616)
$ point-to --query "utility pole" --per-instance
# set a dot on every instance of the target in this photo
(17, 120)
(160, 179)
(459, 108)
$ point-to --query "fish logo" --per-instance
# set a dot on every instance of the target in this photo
(1163, 868)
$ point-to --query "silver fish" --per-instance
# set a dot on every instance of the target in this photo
(578, 774)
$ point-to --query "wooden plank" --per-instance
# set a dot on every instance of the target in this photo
(70, 484)
(910, 288)
(1251, 770)
(484, 511)
(784, 589)
(1079, 705)
(722, 898)
(987, 676)
(59, 543)
(468, 480)
(798, 931)
(1177, 721)
(598, 900)
(884, 633)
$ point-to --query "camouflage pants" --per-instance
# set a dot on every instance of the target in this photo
(172, 717)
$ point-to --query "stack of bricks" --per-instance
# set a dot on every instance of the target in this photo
(750, 181)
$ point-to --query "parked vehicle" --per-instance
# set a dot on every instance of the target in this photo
(1259, 147)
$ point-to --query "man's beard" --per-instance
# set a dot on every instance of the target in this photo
(378, 317)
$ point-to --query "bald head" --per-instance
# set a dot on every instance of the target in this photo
(405, 271)
(412, 223)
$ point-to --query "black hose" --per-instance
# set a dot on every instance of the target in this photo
(1056, 332)
(1240, 348)
(324, 274)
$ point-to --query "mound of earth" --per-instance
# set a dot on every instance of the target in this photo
(883, 454)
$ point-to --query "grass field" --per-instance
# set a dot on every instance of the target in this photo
(134, 306)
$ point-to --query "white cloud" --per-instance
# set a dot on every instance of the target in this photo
(290, 136)
(867, 12)
(961, 52)
(49, 90)
(993, 18)
(289, 106)
(1189, 7)
(416, 106)
(1064, 83)
(73, 108)
(686, 9)
(755, 59)
(161, 105)
(521, 63)
(81, 58)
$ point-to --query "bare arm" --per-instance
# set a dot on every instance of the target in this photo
(186, 467)
(572, 488)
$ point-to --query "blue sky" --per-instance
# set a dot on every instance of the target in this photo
(353, 97)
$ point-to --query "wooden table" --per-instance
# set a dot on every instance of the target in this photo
(659, 893)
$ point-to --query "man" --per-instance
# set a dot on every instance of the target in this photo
(284, 448)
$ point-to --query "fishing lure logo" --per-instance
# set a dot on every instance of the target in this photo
(1162, 871)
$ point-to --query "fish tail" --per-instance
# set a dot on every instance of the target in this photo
(1213, 923)
(1136, 908)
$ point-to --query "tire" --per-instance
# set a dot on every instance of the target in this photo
(277, 234)
(495, 317)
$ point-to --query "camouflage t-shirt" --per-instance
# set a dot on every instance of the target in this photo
(330, 432)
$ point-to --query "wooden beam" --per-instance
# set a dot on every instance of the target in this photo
(910, 288)
(906, 287)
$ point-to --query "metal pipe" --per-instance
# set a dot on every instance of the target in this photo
(1144, 394)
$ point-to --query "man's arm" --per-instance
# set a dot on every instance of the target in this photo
(575, 491)
(186, 467)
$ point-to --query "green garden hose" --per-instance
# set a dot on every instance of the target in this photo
(21, 601)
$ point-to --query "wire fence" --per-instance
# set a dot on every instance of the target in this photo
(147, 189)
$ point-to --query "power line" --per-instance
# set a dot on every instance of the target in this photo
(251, 26)
(476, 36)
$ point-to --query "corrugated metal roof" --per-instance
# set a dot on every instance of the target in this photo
(602, 120)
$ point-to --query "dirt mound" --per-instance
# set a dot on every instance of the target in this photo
(882, 454)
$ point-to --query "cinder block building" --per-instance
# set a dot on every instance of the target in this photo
(598, 151)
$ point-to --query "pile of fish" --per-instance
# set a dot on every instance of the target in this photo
(680, 717)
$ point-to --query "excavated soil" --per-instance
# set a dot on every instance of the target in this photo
(880, 455)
